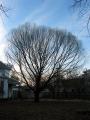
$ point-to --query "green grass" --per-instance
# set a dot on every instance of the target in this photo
(45, 110)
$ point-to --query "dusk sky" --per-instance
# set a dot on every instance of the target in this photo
(53, 13)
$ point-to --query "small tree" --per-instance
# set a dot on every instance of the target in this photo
(39, 50)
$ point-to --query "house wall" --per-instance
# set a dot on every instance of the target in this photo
(4, 73)
(5, 88)
(1, 88)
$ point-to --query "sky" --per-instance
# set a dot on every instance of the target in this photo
(53, 13)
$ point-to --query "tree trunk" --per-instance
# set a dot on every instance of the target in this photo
(36, 96)
(53, 94)
(37, 90)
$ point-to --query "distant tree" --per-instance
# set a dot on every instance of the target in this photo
(39, 50)
(3, 9)
(83, 8)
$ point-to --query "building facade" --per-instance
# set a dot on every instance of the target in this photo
(5, 70)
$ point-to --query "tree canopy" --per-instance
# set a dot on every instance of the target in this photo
(39, 51)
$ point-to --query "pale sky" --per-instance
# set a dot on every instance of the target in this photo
(53, 13)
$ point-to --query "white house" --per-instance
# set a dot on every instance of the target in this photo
(4, 79)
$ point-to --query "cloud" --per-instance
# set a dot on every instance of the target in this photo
(2, 52)
(2, 31)
(74, 25)
(3, 42)
(41, 20)
(16, 67)
(87, 60)
(41, 14)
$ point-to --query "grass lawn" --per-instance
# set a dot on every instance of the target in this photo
(45, 110)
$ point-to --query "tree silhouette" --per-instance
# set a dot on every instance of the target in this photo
(39, 50)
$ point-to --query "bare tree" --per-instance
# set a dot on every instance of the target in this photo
(83, 8)
(3, 8)
(39, 50)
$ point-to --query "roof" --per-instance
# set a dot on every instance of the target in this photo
(10, 80)
(4, 66)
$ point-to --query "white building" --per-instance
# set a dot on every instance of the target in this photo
(4, 79)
